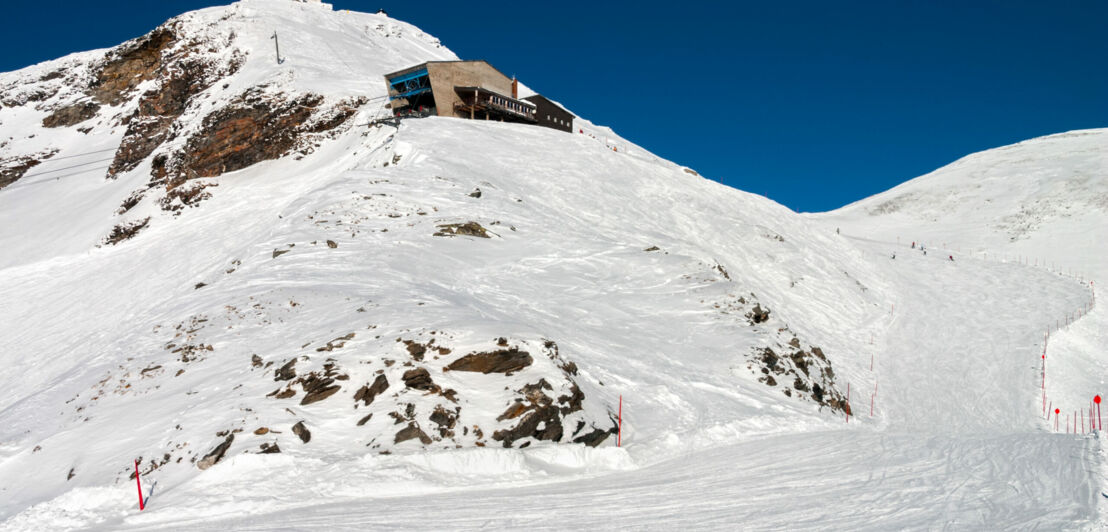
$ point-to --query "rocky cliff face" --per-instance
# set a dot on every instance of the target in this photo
(156, 87)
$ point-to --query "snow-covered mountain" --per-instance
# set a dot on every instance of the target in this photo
(222, 266)
(1045, 198)
(1041, 203)
(213, 255)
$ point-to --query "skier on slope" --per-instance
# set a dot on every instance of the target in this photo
(952, 258)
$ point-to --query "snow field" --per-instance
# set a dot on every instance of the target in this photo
(642, 273)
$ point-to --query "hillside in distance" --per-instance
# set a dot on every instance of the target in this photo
(1041, 203)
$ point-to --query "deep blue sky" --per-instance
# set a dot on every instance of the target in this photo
(814, 104)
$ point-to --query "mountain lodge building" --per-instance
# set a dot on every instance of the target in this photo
(469, 89)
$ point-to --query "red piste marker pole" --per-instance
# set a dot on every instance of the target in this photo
(1099, 420)
(138, 482)
(619, 434)
(1056, 412)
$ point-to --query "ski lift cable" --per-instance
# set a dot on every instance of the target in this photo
(68, 167)
(51, 159)
(17, 186)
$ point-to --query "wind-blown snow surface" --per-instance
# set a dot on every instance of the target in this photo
(91, 380)
(1042, 203)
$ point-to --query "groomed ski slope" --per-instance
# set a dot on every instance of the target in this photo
(959, 446)
(957, 440)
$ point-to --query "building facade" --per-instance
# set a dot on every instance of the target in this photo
(550, 114)
(462, 89)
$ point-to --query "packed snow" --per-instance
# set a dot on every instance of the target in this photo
(625, 276)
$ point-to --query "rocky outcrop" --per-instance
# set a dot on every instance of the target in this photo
(302, 432)
(129, 65)
(501, 361)
(286, 372)
(126, 231)
(411, 432)
(463, 229)
(542, 423)
(318, 388)
(758, 314)
(420, 379)
(541, 390)
(256, 127)
(71, 115)
(14, 168)
(367, 393)
(182, 74)
(803, 373)
(216, 454)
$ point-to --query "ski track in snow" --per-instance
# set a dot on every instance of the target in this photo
(959, 445)
(957, 441)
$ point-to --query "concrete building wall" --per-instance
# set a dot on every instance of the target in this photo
(447, 75)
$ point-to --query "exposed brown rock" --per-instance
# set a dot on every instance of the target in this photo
(71, 115)
(319, 395)
(216, 454)
(253, 129)
(546, 416)
(800, 360)
(514, 410)
(269, 448)
(13, 168)
(500, 361)
(572, 402)
(317, 388)
(336, 343)
(367, 393)
(286, 372)
(769, 358)
(595, 437)
(126, 231)
(130, 65)
(158, 109)
(445, 419)
(758, 314)
(417, 350)
(410, 432)
(420, 379)
(462, 229)
(301, 431)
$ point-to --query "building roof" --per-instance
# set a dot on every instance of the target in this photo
(425, 63)
(551, 102)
